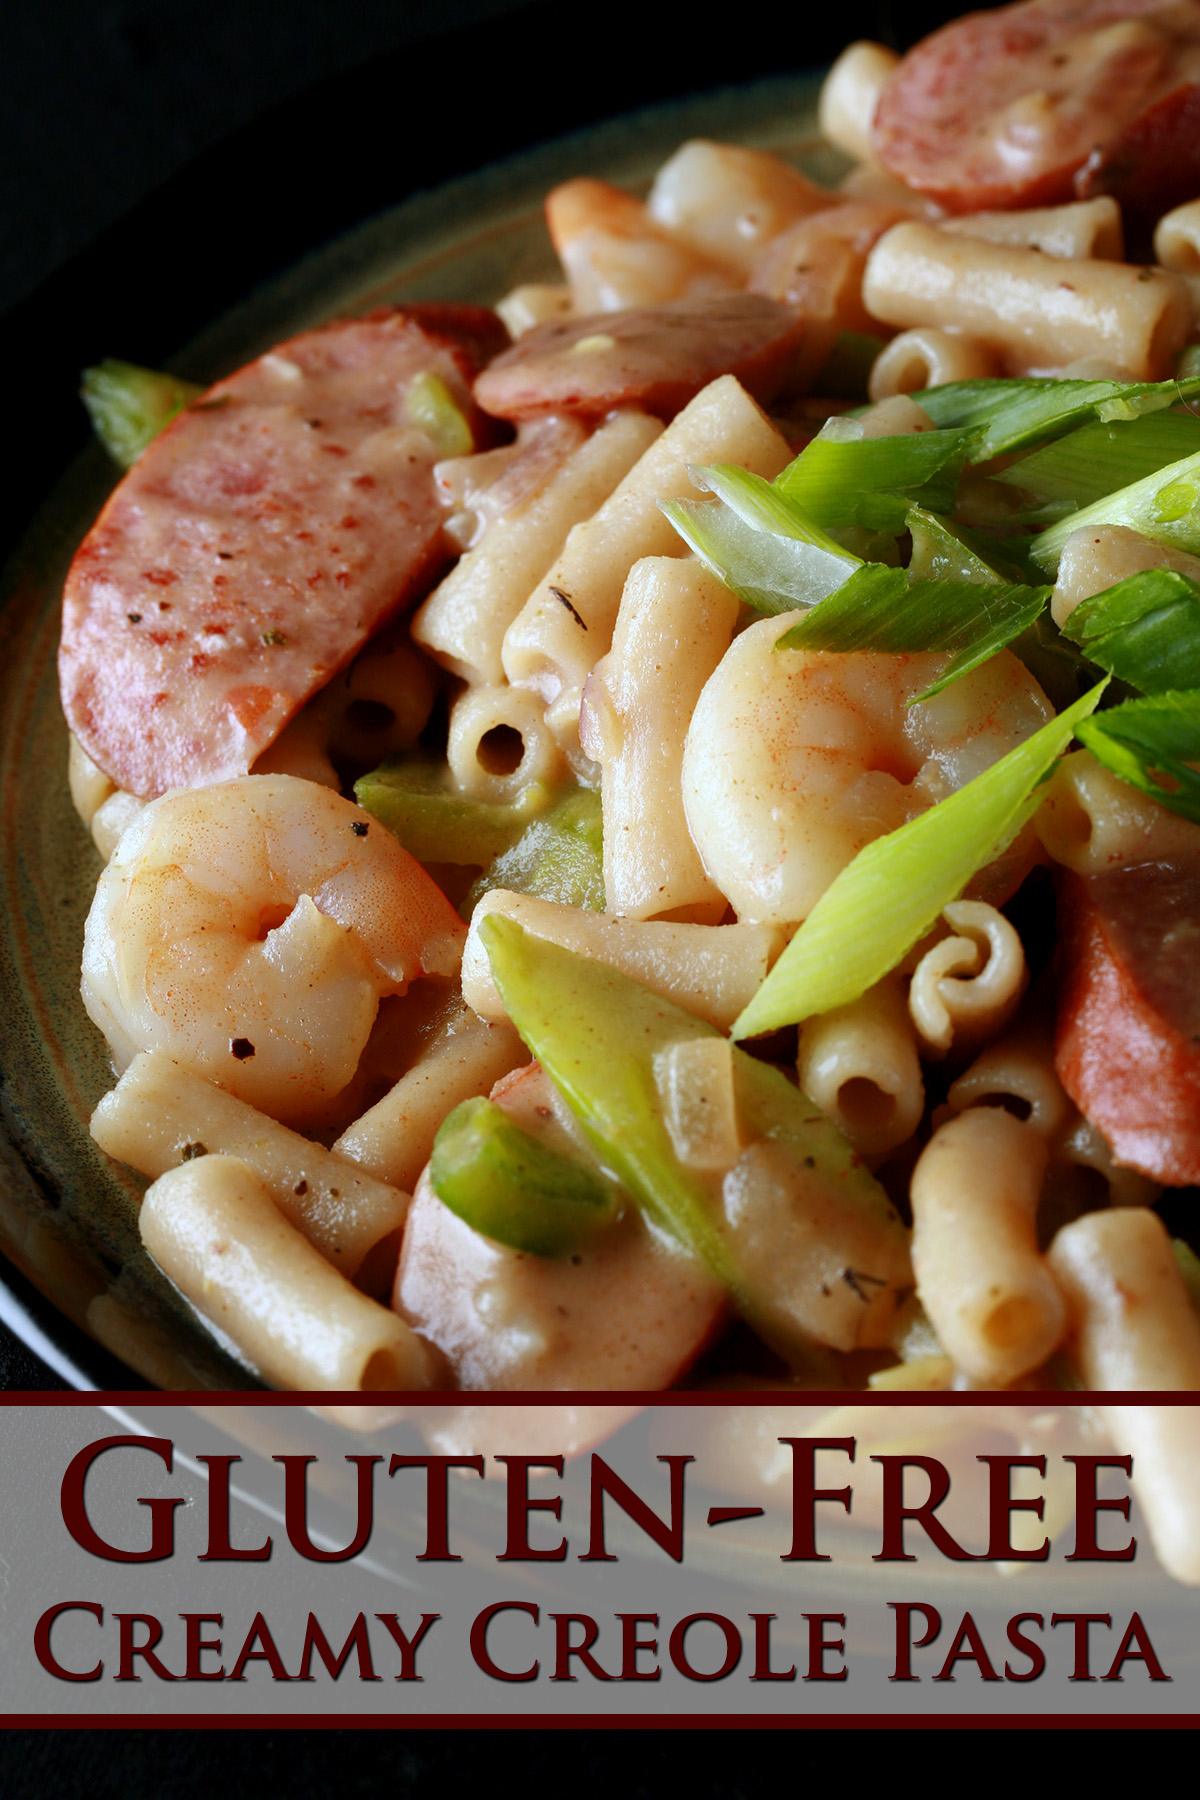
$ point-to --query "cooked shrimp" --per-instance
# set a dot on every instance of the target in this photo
(249, 930)
(796, 759)
(615, 255)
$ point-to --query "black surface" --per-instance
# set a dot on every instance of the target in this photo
(160, 158)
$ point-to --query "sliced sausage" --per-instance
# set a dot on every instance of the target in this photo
(258, 542)
(1000, 109)
(656, 358)
(1127, 1047)
(1153, 164)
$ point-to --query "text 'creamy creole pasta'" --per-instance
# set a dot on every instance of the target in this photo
(761, 943)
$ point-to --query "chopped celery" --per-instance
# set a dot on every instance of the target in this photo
(1098, 458)
(1145, 630)
(436, 823)
(881, 609)
(601, 1037)
(891, 894)
(1009, 415)
(559, 856)
(1164, 506)
(1152, 744)
(514, 1189)
(129, 405)
(837, 480)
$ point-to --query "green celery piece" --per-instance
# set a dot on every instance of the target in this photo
(1010, 415)
(1164, 506)
(881, 609)
(839, 479)
(557, 857)
(514, 1189)
(597, 1034)
(892, 892)
(129, 405)
(1151, 744)
(762, 548)
(944, 550)
(1145, 630)
(436, 823)
(1095, 459)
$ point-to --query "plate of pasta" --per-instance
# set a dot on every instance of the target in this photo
(639, 760)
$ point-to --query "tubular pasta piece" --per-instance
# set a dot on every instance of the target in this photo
(952, 997)
(675, 624)
(1177, 238)
(727, 202)
(1082, 228)
(1164, 1442)
(212, 1226)
(499, 742)
(90, 786)
(1132, 1324)
(712, 970)
(849, 95)
(1036, 311)
(1091, 820)
(990, 1296)
(463, 622)
(113, 817)
(1019, 1067)
(532, 303)
(925, 358)
(160, 1113)
(566, 624)
(393, 1140)
(859, 1064)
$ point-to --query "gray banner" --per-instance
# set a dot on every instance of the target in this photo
(605, 1562)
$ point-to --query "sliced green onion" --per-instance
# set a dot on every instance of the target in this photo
(1145, 630)
(760, 547)
(1097, 459)
(837, 480)
(946, 551)
(1009, 415)
(129, 405)
(880, 609)
(891, 894)
(1164, 506)
(1151, 744)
